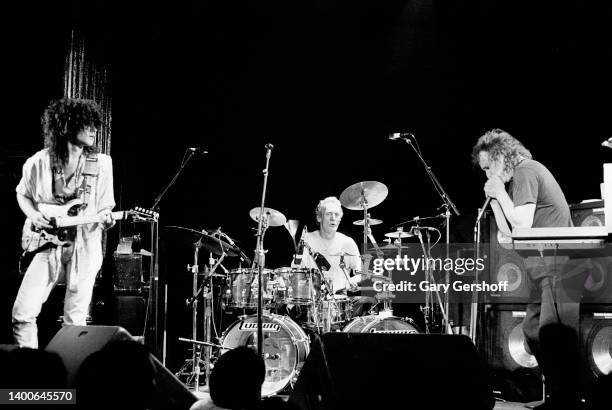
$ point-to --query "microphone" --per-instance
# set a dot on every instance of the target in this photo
(197, 150)
(484, 206)
(229, 240)
(300, 248)
(397, 135)
(607, 143)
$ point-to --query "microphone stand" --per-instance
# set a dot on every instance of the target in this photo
(474, 307)
(153, 303)
(448, 204)
(259, 252)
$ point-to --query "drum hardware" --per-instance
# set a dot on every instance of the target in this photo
(206, 290)
(447, 205)
(428, 310)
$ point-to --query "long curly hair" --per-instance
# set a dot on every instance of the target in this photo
(498, 142)
(62, 121)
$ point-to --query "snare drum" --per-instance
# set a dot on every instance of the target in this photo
(381, 324)
(303, 286)
(330, 314)
(285, 347)
(244, 287)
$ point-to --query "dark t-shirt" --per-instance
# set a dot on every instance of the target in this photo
(532, 183)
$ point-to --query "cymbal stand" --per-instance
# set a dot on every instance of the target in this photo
(193, 302)
(430, 277)
(259, 259)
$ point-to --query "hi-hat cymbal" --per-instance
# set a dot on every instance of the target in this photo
(362, 194)
(214, 244)
(371, 223)
(398, 234)
(275, 218)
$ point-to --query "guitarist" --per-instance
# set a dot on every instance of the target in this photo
(67, 168)
(535, 199)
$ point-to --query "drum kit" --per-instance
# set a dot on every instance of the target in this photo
(296, 301)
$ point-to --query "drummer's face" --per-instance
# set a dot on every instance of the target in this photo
(331, 217)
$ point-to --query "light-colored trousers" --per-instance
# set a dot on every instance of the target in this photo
(37, 284)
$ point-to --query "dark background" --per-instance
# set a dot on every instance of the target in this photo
(325, 82)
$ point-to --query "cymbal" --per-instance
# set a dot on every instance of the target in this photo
(417, 219)
(275, 218)
(370, 193)
(216, 245)
(398, 234)
(371, 223)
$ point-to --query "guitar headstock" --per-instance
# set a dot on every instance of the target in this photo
(144, 214)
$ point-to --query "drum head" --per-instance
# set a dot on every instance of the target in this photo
(377, 324)
(285, 347)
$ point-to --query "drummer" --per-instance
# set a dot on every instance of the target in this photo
(334, 246)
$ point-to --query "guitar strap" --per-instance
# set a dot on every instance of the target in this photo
(90, 177)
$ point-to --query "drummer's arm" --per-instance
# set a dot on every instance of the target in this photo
(355, 264)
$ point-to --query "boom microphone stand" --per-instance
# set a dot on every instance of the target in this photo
(259, 252)
(448, 203)
(151, 336)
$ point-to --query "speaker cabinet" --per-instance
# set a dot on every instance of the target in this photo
(596, 339)
(128, 311)
(515, 371)
(414, 370)
(505, 265)
(128, 275)
(588, 213)
(74, 343)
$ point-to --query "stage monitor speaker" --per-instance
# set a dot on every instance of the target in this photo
(515, 372)
(371, 371)
(74, 343)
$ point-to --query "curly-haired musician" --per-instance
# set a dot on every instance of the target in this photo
(67, 176)
(535, 199)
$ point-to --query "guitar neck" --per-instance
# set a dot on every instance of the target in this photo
(82, 220)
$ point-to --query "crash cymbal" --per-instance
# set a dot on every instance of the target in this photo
(275, 218)
(212, 243)
(370, 193)
(371, 223)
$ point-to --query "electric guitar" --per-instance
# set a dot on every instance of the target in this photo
(64, 219)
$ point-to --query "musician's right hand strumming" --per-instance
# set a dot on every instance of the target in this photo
(39, 220)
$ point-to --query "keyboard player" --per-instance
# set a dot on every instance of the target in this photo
(534, 198)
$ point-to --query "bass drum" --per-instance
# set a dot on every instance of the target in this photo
(381, 324)
(285, 347)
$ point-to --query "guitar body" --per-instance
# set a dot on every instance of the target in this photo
(35, 240)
